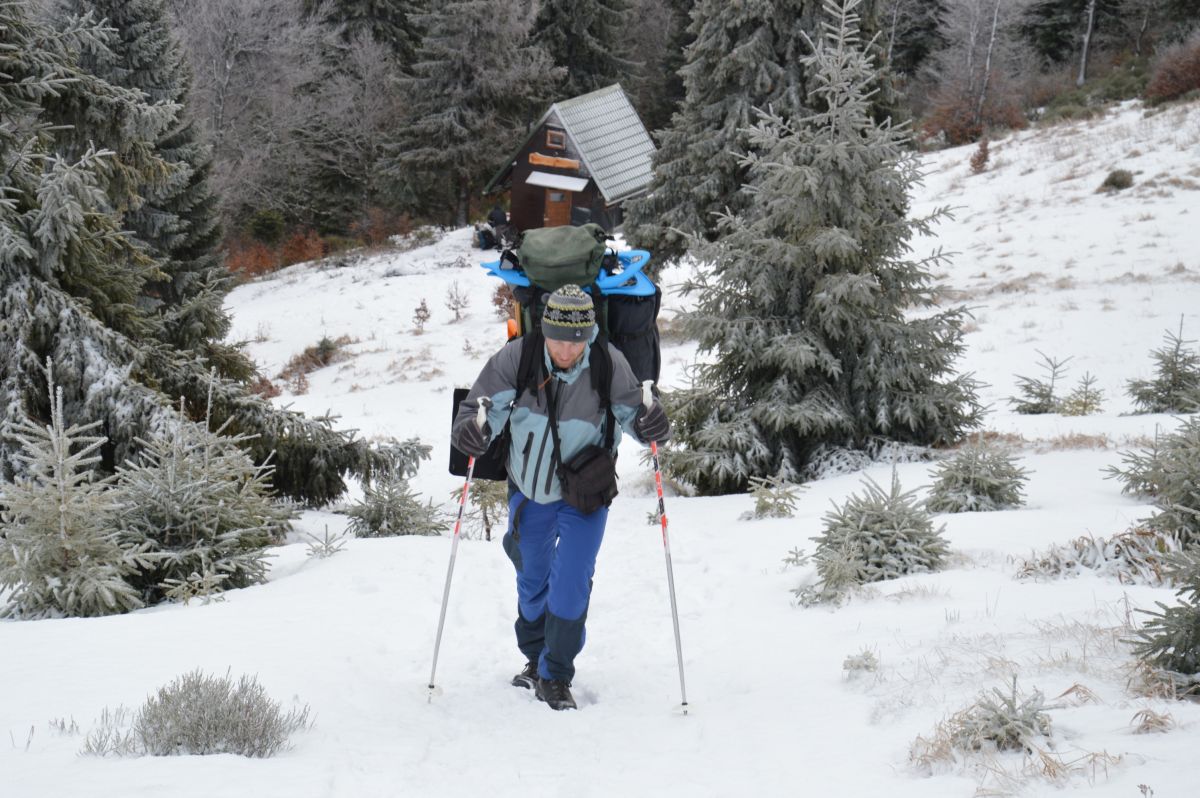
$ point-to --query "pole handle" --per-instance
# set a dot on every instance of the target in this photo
(647, 394)
(485, 404)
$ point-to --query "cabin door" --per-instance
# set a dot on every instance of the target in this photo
(558, 208)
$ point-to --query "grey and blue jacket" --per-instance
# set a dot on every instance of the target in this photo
(532, 462)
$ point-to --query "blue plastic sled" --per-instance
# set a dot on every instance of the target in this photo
(629, 281)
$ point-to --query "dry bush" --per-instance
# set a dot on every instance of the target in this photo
(992, 437)
(1176, 73)
(1074, 440)
(1136, 556)
(504, 303)
(264, 388)
(301, 246)
(976, 739)
(323, 353)
(1077, 695)
(250, 258)
(954, 116)
(995, 721)
(1147, 721)
(379, 225)
(198, 714)
(857, 665)
(979, 159)
(1117, 180)
(1143, 679)
(298, 383)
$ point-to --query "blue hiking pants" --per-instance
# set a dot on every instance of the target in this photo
(553, 547)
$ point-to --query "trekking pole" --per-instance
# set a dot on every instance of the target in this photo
(480, 419)
(647, 399)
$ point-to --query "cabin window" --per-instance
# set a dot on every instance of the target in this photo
(556, 140)
(557, 196)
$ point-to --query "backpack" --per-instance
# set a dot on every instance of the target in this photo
(627, 305)
(551, 257)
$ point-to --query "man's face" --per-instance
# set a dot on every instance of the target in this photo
(564, 354)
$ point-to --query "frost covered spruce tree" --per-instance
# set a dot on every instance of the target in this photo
(1175, 387)
(196, 501)
(1170, 639)
(72, 282)
(744, 57)
(389, 22)
(977, 479)
(877, 536)
(476, 80)
(804, 299)
(59, 551)
(390, 506)
(1169, 475)
(176, 219)
(585, 37)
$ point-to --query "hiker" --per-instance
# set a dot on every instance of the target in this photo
(561, 480)
(497, 218)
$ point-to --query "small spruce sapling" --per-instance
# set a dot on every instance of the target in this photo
(61, 554)
(998, 720)
(876, 536)
(326, 545)
(1175, 387)
(1169, 474)
(196, 500)
(773, 498)
(1084, 400)
(1170, 640)
(1037, 395)
(457, 300)
(421, 316)
(489, 503)
(390, 506)
(976, 479)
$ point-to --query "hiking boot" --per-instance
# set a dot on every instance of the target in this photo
(528, 677)
(556, 693)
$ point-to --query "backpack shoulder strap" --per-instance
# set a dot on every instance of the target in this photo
(531, 365)
(601, 368)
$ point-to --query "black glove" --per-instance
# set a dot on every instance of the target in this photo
(652, 424)
(474, 441)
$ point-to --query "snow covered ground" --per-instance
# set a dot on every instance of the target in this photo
(1047, 264)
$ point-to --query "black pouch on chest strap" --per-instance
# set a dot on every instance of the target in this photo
(589, 481)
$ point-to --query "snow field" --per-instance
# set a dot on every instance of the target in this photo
(1046, 264)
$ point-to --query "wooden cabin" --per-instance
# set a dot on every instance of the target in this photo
(582, 160)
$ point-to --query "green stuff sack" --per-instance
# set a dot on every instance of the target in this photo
(556, 256)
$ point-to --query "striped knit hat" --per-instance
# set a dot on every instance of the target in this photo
(569, 315)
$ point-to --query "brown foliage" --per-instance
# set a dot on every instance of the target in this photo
(1176, 73)
(323, 353)
(504, 302)
(264, 388)
(379, 225)
(954, 115)
(301, 246)
(250, 258)
(980, 159)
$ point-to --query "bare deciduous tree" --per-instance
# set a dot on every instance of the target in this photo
(251, 58)
(974, 74)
